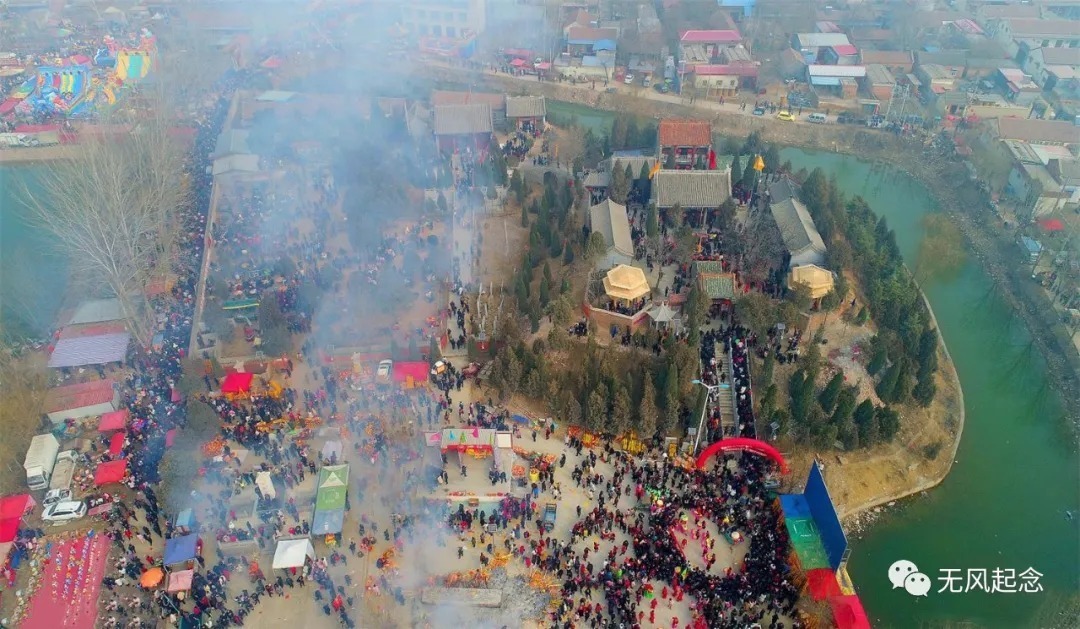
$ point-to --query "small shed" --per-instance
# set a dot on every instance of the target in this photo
(180, 549)
(81, 400)
(528, 112)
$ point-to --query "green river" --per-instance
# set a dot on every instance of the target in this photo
(1003, 505)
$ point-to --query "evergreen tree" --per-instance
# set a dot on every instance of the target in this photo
(545, 291)
(595, 410)
(736, 169)
(524, 217)
(619, 132)
(642, 185)
(619, 187)
(866, 422)
(845, 407)
(925, 389)
(633, 134)
(878, 357)
(886, 387)
(652, 223)
(547, 271)
(888, 422)
(648, 413)
(828, 395)
(772, 159)
(671, 399)
(619, 420)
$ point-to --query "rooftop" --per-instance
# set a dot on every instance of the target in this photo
(1060, 56)
(851, 72)
(684, 132)
(1034, 27)
(691, 188)
(586, 34)
(462, 119)
(727, 36)
(822, 40)
(714, 281)
(887, 57)
(444, 97)
(626, 282)
(1034, 130)
(78, 395)
(797, 229)
(609, 218)
(879, 75)
(525, 107)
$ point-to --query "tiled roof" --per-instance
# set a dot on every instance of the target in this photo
(609, 218)
(887, 57)
(588, 34)
(728, 36)
(1034, 27)
(1034, 130)
(462, 119)
(796, 227)
(879, 75)
(99, 349)
(525, 107)
(678, 132)
(714, 281)
(691, 188)
(1060, 56)
(96, 311)
(731, 69)
(78, 395)
(443, 97)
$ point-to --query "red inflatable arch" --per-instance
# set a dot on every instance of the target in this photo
(742, 443)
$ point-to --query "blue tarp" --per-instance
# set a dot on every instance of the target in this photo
(326, 522)
(180, 549)
(185, 518)
(521, 419)
(794, 506)
(605, 44)
(828, 81)
(825, 517)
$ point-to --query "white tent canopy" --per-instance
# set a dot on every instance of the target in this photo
(265, 483)
(291, 553)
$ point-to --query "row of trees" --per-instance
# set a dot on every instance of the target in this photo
(905, 350)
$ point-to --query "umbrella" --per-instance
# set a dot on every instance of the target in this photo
(152, 577)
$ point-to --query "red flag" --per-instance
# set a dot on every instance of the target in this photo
(712, 159)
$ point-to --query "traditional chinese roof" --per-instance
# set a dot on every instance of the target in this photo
(609, 218)
(525, 107)
(681, 132)
(691, 188)
(462, 119)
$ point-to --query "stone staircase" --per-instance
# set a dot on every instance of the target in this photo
(724, 397)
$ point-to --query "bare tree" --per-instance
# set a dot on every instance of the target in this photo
(111, 210)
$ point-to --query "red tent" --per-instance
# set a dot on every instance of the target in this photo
(849, 613)
(822, 584)
(114, 420)
(1052, 224)
(237, 383)
(116, 443)
(111, 472)
(418, 370)
(16, 506)
(9, 528)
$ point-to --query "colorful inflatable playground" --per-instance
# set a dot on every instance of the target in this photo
(81, 85)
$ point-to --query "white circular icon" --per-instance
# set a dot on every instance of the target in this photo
(917, 584)
(900, 571)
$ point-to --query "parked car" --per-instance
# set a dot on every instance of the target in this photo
(845, 117)
(817, 118)
(785, 116)
(629, 79)
(64, 511)
(383, 373)
(55, 496)
(759, 111)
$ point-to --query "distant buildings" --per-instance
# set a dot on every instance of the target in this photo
(444, 18)
(1019, 36)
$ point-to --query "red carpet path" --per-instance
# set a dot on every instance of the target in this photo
(71, 581)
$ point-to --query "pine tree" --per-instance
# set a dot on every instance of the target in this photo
(886, 387)
(545, 291)
(888, 422)
(866, 422)
(595, 410)
(671, 399)
(619, 420)
(648, 413)
(828, 395)
(736, 169)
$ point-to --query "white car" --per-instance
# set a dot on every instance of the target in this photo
(629, 79)
(64, 511)
(385, 367)
(56, 495)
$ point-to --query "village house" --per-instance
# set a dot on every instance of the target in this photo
(838, 81)
(802, 242)
(1018, 87)
(1019, 36)
(713, 42)
(609, 219)
(1046, 63)
(879, 82)
(435, 18)
(825, 48)
(683, 143)
(723, 80)
(1033, 131)
(895, 61)
(583, 40)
